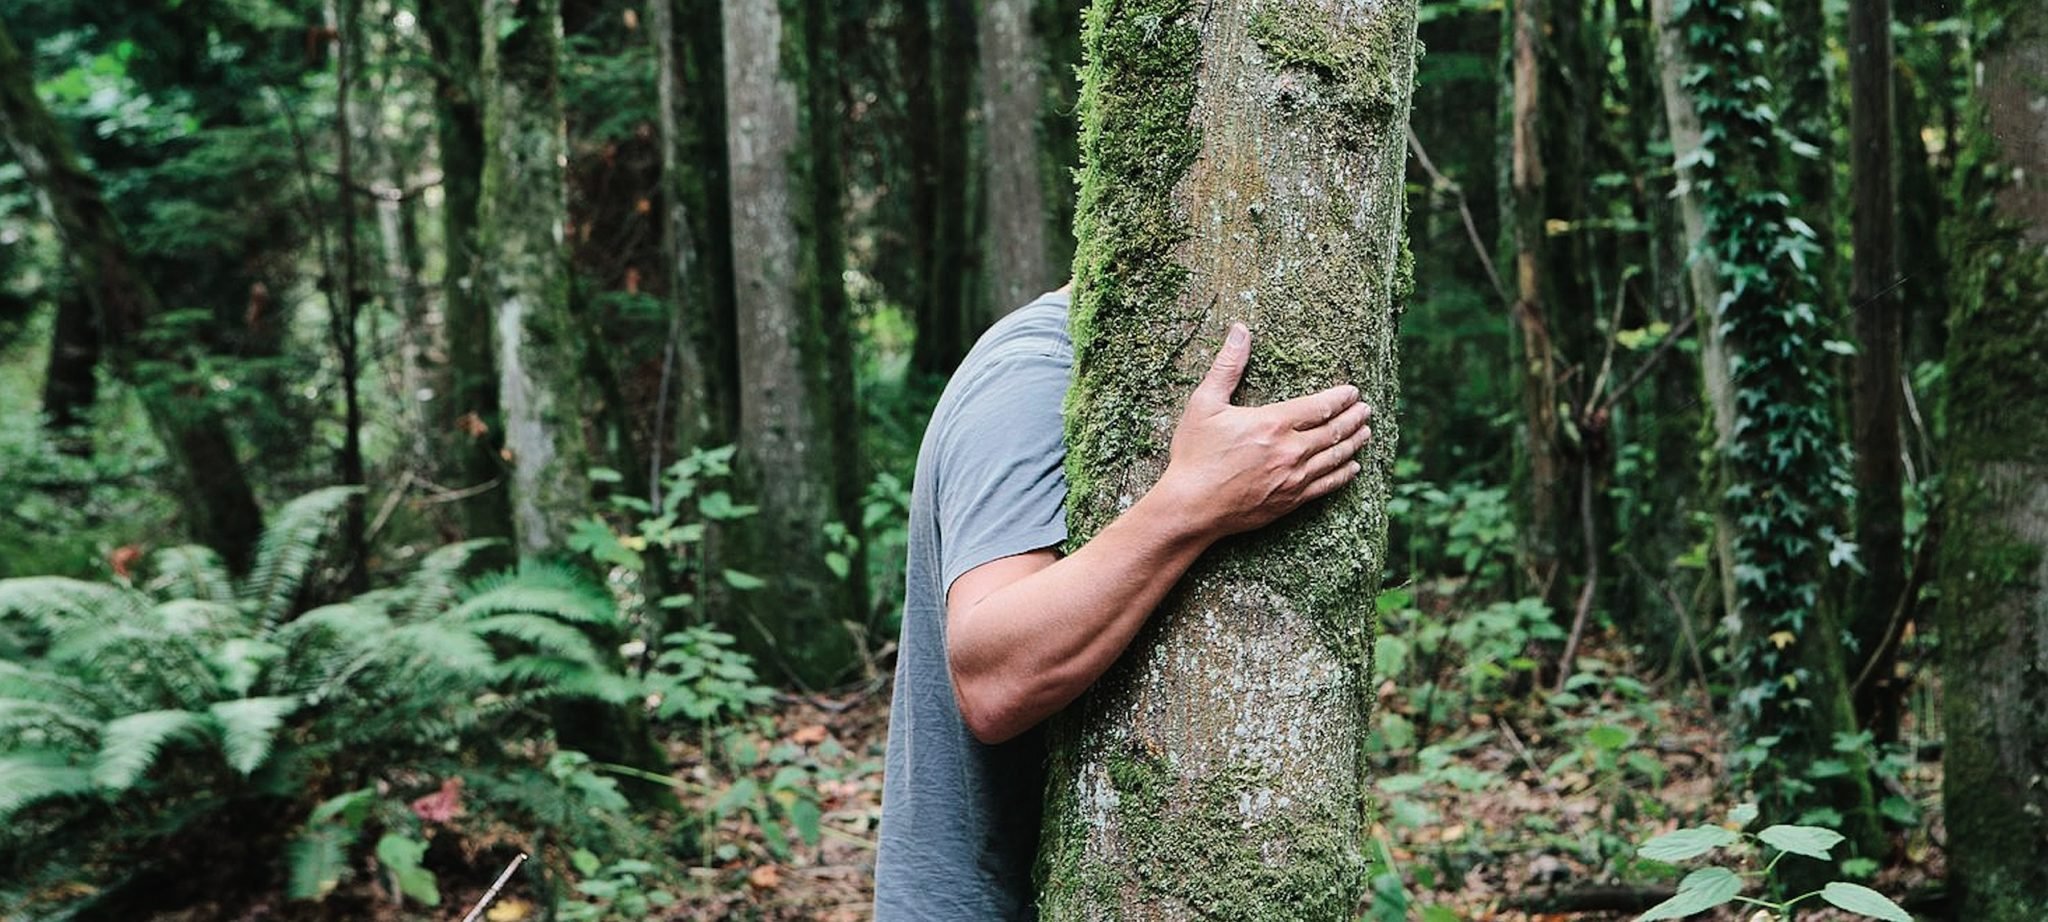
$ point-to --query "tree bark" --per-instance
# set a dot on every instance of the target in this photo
(1875, 396)
(1684, 122)
(522, 216)
(1544, 489)
(1243, 161)
(695, 228)
(1994, 600)
(71, 385)
(207, 475)
(468, 423)
(796, 436)
(1019, 259)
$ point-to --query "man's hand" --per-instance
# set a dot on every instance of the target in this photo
(1028, 634)
(1235, 469)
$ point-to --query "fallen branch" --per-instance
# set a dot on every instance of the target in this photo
(1593, 899)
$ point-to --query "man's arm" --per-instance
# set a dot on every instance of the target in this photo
(1026, 635)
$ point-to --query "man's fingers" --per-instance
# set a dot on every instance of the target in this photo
(1343, 426)
(1228, 369)
(1318, 408)
(1328, 457)
(1331, 482)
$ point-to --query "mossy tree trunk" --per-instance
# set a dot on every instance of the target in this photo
(1994, 602)
(467, 420)
(798, 457)
(524, 271)
(1243, 162)
(206, 472)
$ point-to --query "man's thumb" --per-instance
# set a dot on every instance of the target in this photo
(1221, 381)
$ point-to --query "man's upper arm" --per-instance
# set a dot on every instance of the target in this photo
(1001, 488)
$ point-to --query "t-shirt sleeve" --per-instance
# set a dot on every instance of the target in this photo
(1001, 487)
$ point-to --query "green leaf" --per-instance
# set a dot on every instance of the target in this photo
(838, 564)
(249, 726)
(805, 817)
(585, 861)
(29, 778)
(1609, 737)
(348, 809)
(1700, 891)
(1687, 843)
(1743, 814)
(1811, 841)
(1860, 899)
(129, 745)
(402, 854)
(745, 582)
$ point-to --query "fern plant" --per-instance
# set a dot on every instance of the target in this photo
(132, 719)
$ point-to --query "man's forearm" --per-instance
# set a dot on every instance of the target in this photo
(1029, 648)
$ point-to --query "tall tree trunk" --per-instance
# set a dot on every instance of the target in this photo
(1785, 473)
(938, 57)
(207, 476)
(1994, 601)
(1243, 162)
(522, 213)
(1808, 103)
(1705, 283)
(1545, 489)
(1018, 257)
(694, 228)
(342, 322)
(1876, 399)
(797, 454)
(468, 421)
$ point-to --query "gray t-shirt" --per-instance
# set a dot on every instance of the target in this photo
(959, 818)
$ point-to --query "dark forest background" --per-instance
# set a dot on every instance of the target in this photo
(438, 430)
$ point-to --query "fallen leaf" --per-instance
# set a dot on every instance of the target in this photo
(509, 909)
(809, 736)
(442, 805)
(765, 877)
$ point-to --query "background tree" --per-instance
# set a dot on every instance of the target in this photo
(1994, 609)
(1264, 187)
(797, 408)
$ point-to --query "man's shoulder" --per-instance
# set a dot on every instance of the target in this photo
(1036, 329)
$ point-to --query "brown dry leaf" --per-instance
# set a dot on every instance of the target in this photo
(809, 736)
(765, 877)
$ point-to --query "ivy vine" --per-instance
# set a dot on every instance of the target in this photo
(1788, 481)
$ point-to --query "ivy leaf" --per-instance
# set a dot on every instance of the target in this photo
(1811, 841)
(1860, 899)
(1700, 891)
(1743, 814)
(1687, 843)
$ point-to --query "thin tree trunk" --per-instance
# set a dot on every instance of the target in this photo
(207, 475)
(1994, 601)
(71, 385)
(795, 436)
(468, 422)
(1018, 259)
(1684, 123)
(1244, 162)
(522, 217)
(1876, 399)
(343, 326)
(1545, 488)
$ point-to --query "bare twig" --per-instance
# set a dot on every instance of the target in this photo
(1586, 592)
(477, 911)
(1684, 615)
(1465, 211)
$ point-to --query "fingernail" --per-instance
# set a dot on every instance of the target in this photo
(1239, 335)
(1356, 467)
(1354, 391)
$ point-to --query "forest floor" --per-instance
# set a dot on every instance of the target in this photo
(1493, 819)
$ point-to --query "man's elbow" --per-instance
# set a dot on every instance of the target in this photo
(992, 713)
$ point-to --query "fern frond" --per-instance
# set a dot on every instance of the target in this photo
(347, 622)
(139, 662)
(450, 647)
(56, 604)
(318, 860)
(240, 662)
(129, 745)
(49, 719)
(248, 727)
(192, 571)
(437, 581)
(289, 547)
(539, 589)
(29, 778)
(556, 677)
(19, 681)
(544, 634)
(199, 617)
